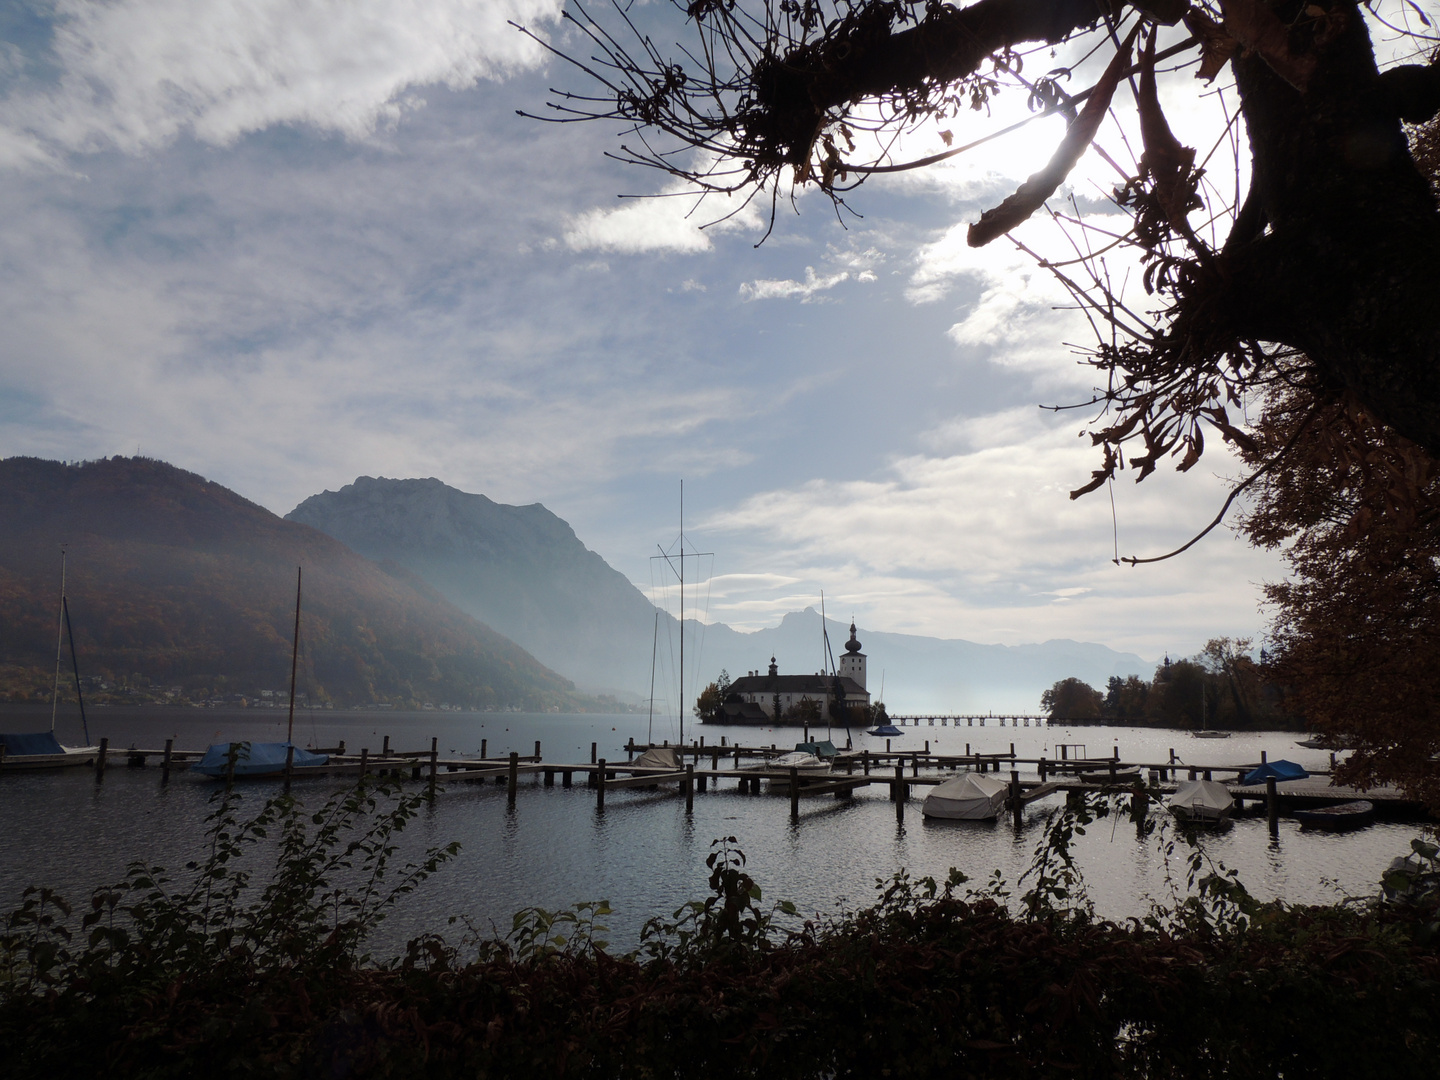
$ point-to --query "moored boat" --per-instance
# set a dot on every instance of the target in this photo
(967, 797)
(1340, 817)
(1201, 802)
(255, 759)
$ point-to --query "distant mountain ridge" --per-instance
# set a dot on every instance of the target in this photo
(523, 571)
(177, 579)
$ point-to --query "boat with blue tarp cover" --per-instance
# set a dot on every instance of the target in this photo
(1280, 770)
(886, 730)
(823, 749)
(256, 759)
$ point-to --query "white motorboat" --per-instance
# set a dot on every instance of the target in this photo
(1201, 802)
(967, 797)
(805, 764)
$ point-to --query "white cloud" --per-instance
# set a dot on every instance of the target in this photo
(135, 74)
(783, 289)
(674, 220)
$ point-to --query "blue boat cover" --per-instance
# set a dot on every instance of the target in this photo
(822, 749)
(885, 729)
(1281, 770)
(39, 742)
(254, 759)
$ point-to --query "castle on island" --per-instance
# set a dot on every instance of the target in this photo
(766, 699)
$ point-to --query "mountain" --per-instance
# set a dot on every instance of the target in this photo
(519, 569)
(523, 571)
(176, 580)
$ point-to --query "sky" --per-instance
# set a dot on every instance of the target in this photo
(286, 243)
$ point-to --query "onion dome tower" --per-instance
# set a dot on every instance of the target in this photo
(852, 664)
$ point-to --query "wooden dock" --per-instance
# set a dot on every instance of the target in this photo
(706, 768)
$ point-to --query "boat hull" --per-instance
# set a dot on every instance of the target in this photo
(1340, 818)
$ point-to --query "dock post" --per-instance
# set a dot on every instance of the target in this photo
(484, 749)
(1263, 757)
(385, 748)
(434, 762)
(927, 746)
(887, 746)
(100, 760)
(701, 781)
(2, 755)
(1112, 769)
(600, 786)
(1272, 806)
(866, 755)
(537, 750)
(592, 754)
(722, 740)
(689, 789)
(1012, 751)
(341, 748)
(1043, 768)
(549, 777)
(794, 792)
(364, 762)
(899, 795)
(715, 759)
(513, 781)
(1017, 808)
(289, 765)
(915, 765)
(737, 755)
(164, 762)
(566, 778)
(807, 730)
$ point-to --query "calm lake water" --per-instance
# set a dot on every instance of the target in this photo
(643, 854)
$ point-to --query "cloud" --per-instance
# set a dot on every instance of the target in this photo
(675, 220)
(984, 543)
(136, 74)
(773, 289)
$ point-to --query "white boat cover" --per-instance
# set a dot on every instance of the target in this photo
(1201, 800)
(797, 759)
(659, 757)
(967, 797)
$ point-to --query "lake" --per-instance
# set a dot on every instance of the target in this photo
(643, 854)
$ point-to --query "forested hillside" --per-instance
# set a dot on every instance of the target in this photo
(180, 587)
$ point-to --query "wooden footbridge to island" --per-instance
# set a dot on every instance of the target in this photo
(711, 769)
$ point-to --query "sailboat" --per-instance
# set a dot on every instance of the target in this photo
(256, 759)
(41, 749)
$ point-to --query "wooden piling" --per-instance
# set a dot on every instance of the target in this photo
(689, 789)
(592, 754)
(164, 762)
(1017, 807)
(100, 759)
(566, 778)
(484, 748)
(927, 746)
(794, 792)
(385, 748)
(434, 763)
(1043, 768)
(1272, 806)
(513, 780)
(899, 795)
(600, 785)
(866, 755)
(537, 750)
(1263, 757)
(2, 755)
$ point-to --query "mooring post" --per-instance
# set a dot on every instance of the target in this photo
(689, 789)
(2, 755)
(866, 755)
(1112, 770)
(385, 748)
(434, 762)
(887, 746)
(1012, 751)
(899, 795)
(100, 760)
(1043, 768)
(737, 755)
(915, 765)
(1017, 808)
(592, 754)
(794, 792)
(722, 740)
(484, 749)
(289, 765)
(927, 746)
(164, 762)
(599, 785)
(1139, 805)
(1272, 806)
(1264, 757)
(537, 749)
(513, 780)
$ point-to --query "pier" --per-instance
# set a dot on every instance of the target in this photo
(747, 769)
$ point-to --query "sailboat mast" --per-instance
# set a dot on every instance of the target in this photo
(654, 651)
(294, 661)
(682, 612)
(59, 645)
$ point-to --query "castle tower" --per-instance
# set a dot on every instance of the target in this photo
(852, 664)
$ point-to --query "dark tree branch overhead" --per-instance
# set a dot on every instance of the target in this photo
(1333, 256)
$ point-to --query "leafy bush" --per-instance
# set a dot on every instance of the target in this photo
(935, 977)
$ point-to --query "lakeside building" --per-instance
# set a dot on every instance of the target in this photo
(757, 699)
